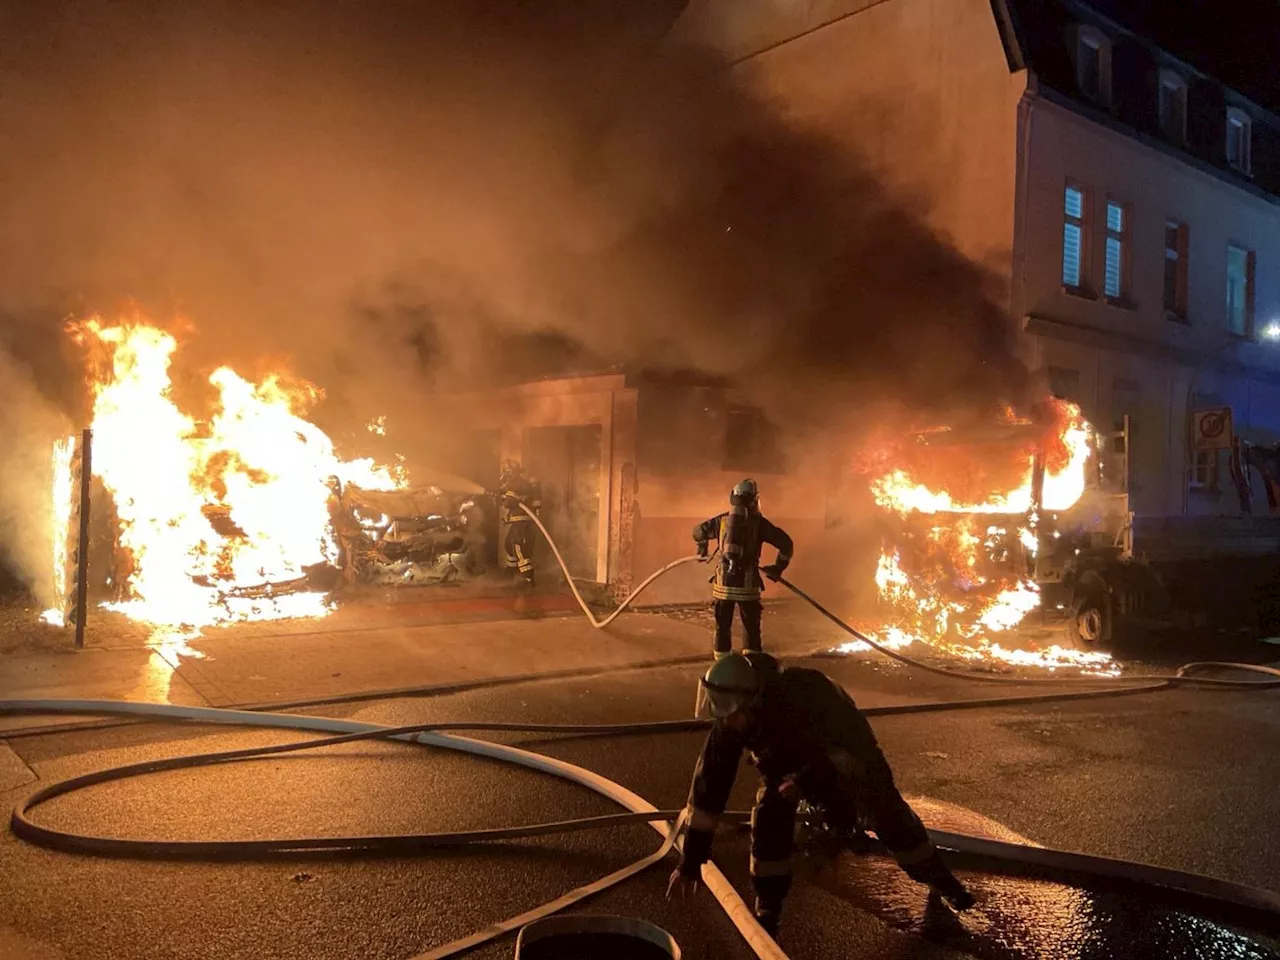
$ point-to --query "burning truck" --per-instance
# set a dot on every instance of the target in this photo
(1027, 523)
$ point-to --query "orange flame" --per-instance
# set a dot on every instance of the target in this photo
(951, 586)
(256, 466)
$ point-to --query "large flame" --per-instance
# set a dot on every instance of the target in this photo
(958, 571)
(213, 515)
(63, 451)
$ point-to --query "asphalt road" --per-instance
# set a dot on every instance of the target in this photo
(1184, 779)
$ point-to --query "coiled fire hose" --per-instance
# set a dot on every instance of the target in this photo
(1198, 892)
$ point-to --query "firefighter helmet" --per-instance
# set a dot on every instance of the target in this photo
(746, 494)
(730, 684)
(511, 469)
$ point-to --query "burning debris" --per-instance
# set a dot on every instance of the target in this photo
(964, 519)
(220, 519)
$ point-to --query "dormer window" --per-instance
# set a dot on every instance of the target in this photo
(1173, 107)
(1239, 140)
(1093, 64)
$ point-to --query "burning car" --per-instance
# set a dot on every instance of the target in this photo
(418, 535)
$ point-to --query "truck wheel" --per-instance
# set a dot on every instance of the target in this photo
(1089, 626)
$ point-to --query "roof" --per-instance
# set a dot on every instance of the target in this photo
(1036, 35)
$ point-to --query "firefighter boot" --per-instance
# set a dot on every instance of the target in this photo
(943, 882)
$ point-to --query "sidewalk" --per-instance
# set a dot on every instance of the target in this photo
(378, 650)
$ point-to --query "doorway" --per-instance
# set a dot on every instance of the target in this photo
(566, 461)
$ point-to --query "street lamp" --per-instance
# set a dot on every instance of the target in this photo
(1271, 331)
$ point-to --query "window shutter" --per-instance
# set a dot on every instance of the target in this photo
(1184, 266)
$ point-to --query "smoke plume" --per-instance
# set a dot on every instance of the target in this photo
(401, 196)
(29, 425)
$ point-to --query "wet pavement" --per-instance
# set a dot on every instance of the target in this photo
(1180, 779)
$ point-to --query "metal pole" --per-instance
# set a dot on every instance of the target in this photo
(82, 554)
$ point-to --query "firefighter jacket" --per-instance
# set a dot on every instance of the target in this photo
(800, 717)
(741, 533)
(520, 488)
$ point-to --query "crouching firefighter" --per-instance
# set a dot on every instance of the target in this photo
(515, 488)
(740, 533)
(809, 741)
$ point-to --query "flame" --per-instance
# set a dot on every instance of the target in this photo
(60, 533)
(943, 580)
(210, 508)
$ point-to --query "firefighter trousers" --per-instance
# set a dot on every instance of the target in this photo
(842, 783)
(519, 550)
(750, 611)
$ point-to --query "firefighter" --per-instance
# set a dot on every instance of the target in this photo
(514, 488)
(740, 534)
(809, 741)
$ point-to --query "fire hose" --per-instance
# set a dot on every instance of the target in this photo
(1199, 892)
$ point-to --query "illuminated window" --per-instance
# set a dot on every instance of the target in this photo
(1173, 106)
(1239, 140)
(1241, 267)
(1115, 274)
(1074, 239)
(1176, 238)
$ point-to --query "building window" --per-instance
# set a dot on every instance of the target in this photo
(1241, 267)
(1115, 277)
(1176, 237)
(1239, 140)
(752, 444)
(1093, 65)
(1075, 234)
(1204, 470)
(1173, 106)
(1064, 383)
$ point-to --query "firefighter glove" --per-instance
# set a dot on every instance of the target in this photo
(773, 571)
(702, 550)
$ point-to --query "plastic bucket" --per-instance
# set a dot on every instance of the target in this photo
(595, 937)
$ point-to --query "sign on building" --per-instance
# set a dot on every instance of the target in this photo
(1211, 429)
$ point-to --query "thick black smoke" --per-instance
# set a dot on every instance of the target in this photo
(400, 196)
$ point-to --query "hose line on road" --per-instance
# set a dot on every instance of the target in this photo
(1206, 894)
(568, 577)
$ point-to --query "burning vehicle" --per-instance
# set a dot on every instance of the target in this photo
(418, 535)
(248, 513)
(984, 528)
(974, 522)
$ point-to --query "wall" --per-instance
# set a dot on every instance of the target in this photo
(920, 89)
(682, 479)
(1135, 342)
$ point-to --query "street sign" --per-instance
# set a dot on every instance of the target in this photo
(1211, 429)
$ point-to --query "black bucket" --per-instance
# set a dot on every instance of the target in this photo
(595, 937)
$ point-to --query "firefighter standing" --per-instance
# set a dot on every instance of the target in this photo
(515, 488)
(741, 532)
(809, 741)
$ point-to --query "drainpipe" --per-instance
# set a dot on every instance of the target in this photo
(1021, 188)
